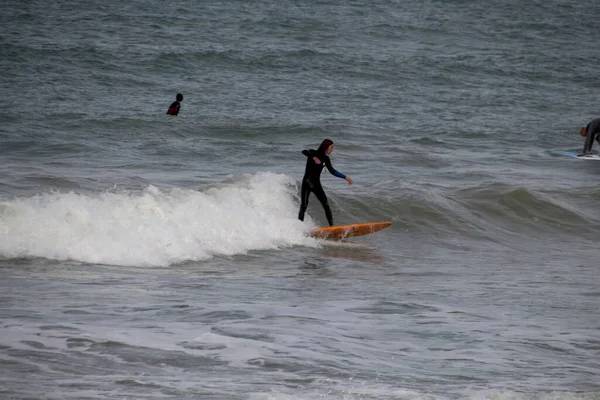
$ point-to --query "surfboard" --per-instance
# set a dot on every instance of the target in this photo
(351, 230)
(575, 154)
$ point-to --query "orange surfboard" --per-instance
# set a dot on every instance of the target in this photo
(345, 231)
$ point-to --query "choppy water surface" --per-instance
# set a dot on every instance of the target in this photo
(150, 257)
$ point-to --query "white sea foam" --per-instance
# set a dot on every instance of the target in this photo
(155, 227)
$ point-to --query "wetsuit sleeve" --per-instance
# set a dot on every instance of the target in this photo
(332, 170)
(587, 146)
(309, 153)
(589, 138)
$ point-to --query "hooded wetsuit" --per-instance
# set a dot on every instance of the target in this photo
(311, 182)
(593, 132)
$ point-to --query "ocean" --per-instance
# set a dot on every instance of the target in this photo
(146, 256)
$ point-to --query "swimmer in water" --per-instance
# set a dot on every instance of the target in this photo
(174, 107)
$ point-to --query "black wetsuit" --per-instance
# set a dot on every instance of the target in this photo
(593, 132)
(311, 182)
(174, 108)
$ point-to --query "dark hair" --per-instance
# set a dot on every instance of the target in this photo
(179, 97)
(324, 146)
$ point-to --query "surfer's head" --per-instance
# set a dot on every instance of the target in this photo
(326, 146)
(583, 132)
(179, 97)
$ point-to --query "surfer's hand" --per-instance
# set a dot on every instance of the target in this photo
(349, 180)
(316, 160)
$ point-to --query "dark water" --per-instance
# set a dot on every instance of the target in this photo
(146, 256)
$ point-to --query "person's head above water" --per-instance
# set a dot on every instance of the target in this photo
(179, 97)
(583, 131)
(326, 146)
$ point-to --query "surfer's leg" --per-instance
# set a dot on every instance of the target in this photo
(304, 195)
(320, 193)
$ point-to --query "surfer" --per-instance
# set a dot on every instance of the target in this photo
(590, 132)
(174, 107)
(311, 182)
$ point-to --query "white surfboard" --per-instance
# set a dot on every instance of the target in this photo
(575, 154)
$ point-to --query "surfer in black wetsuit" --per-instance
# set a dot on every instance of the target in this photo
(174, 107)
(311, 182)
(590, 132)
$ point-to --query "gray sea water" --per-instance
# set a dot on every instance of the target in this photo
(152, 257)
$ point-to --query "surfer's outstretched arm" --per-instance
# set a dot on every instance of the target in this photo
(334, 172)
